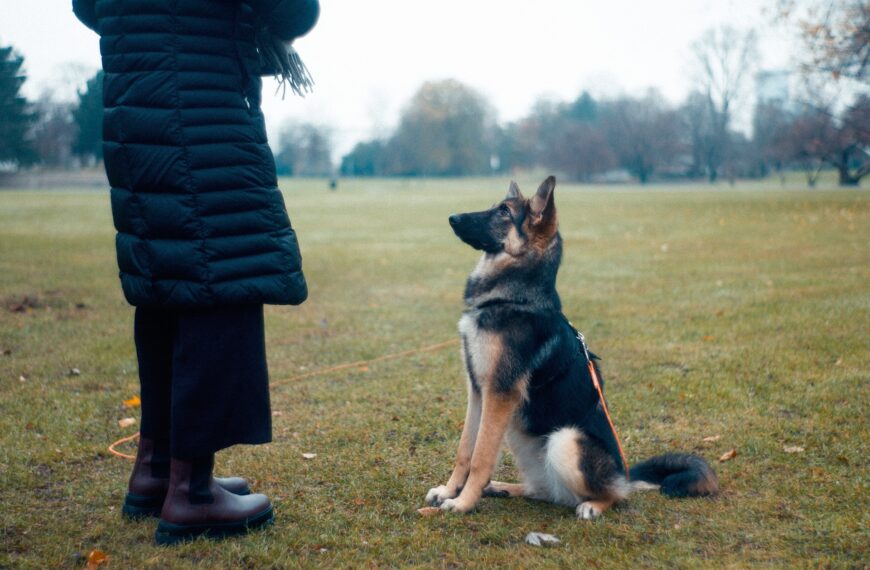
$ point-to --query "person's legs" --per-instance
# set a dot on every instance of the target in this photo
(220, 397)
(155, 332)
(220, 382)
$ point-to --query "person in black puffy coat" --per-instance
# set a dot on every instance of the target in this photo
(203, 242)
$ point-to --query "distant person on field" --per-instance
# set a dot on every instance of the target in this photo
(204, 240)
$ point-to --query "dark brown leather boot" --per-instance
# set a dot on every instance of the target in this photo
(150, 480)
(197, 506)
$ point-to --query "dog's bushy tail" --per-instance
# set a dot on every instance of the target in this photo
(676, 475)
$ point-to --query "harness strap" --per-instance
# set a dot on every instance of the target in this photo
(597, 384)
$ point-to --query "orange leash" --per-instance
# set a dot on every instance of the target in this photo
(322, 371)
(597, 383)
(117, 453)
(361, 363)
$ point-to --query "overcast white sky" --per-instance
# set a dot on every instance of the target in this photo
(368, 57)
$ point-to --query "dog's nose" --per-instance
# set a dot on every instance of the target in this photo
(454, 219)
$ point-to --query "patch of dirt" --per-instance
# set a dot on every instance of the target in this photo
(50, 299)
(23, 304)
(12, 539)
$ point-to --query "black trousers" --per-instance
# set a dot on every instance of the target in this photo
(204, 381)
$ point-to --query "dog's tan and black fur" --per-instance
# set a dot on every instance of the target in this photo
(528, 378)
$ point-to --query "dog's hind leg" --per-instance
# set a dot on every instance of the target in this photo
(502, 490)
(497, 411)
(582, 474)
(462, 465)
(588, 510)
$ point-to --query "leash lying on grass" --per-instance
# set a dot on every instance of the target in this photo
(393, 356)
(322, 371)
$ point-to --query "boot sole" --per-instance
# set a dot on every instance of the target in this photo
(138, 507)
(169, 533)
(141, 506)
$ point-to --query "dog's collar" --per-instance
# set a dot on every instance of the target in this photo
(580, 339)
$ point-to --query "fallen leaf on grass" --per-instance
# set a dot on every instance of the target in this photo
(359, 502)
(429, 511)
(309, 455)
(126, 422)
(133, 402)
(541, 539)
(728, 456)
(96, 559)
(793, 449)
(709, 338)
(711, 438)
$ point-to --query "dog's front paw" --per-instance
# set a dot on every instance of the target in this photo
(438, 495)
(456, 506)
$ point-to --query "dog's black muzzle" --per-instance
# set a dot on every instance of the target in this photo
(475, 230)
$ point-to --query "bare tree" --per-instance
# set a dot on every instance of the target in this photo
(835, 34)
(532, 137)
(304, 149)
(771, 126)
(563, 137)
(54, 131)
(580, 150)
(643, 133)
(808, 142)
(694, 117)
(724, 58)
(850, 151)
(815, 137)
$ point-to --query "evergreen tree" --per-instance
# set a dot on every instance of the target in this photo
(15, 114)
(88, 115)
(584, 108)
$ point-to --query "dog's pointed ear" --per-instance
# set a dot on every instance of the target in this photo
(541, 205)
(514, 192)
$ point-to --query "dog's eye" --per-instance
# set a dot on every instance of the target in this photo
(504, 210)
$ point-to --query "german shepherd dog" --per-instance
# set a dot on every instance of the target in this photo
(529, 379)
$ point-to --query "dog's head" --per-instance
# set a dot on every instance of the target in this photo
(516, 225)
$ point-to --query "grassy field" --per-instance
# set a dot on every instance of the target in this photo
(741, 314)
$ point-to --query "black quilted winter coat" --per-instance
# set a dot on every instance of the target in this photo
(194, 195)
